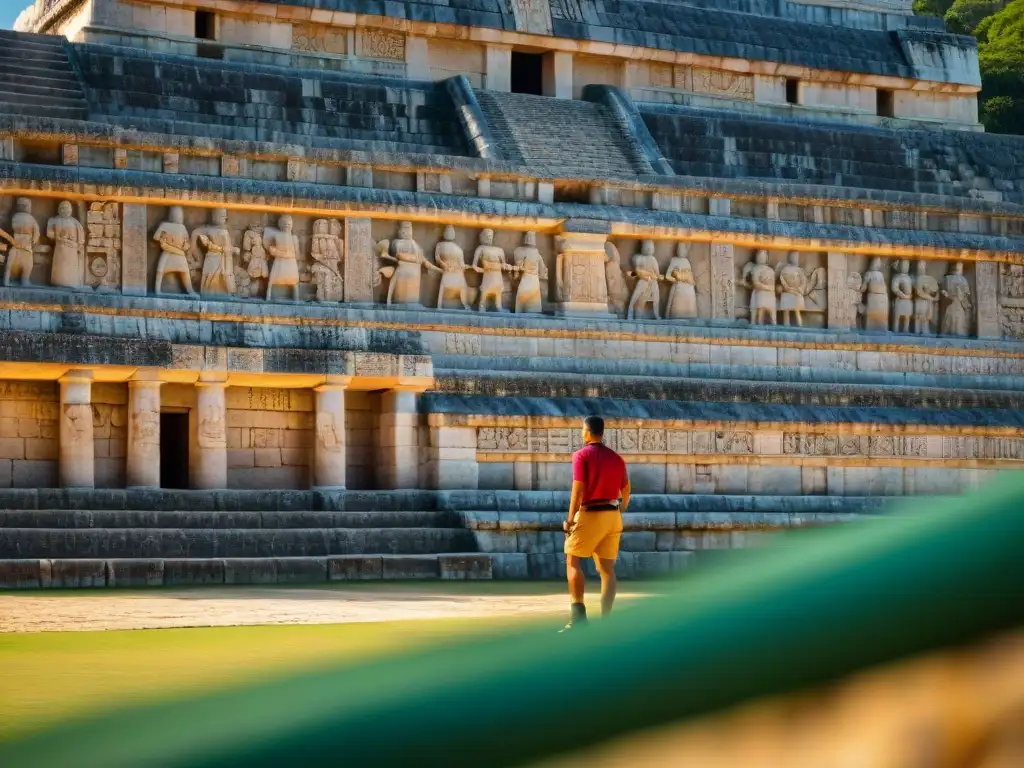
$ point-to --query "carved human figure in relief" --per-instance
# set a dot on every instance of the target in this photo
(489, 259)
(68, 235)
(618, 291)
(759, 277)
(450, 258)
(682, 297)
(328, 252)
(24, 243)
(647, 273)
(793, 285)
(214, 240)
(254, 257)
(903, 299)
(876, 298)
(409, 261)
(926, 299)
(283, 246)
(174, 251)
(532, 272)
(956, 319)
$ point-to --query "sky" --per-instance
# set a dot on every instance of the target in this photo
(9, 10)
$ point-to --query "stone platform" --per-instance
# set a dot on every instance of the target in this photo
(66, 538)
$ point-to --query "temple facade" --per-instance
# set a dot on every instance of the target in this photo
(343, 277)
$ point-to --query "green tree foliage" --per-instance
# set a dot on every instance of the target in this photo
(999, 27)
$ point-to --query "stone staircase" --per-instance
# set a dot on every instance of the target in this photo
(561, 137)
(37, 78)
(68, 539)
(251, 102)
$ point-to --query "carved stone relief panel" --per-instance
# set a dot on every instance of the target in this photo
(103, 248)
(380, 44)
(315, 38)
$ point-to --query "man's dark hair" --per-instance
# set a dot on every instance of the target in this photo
(595, 425)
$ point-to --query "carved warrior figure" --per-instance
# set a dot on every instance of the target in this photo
(24, 243)
(283, 246)
(876, 298)
(218, 277)
(68, 237)
(532, 271)
(926, 296)
(254, 257)
(793, 287)
(759, 277)
(448, 254)
(328, 252)
(956, 319)
(489, 259)
(903, 299)
(618, 292)
(648, 275)
(174, 251)
(682, 297)
(404, 277)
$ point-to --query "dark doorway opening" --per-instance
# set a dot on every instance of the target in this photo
(174, 450)
(793, 91)
(885, 103)
(206, 25)
(527, 73)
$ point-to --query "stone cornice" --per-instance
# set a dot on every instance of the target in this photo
(74, 182)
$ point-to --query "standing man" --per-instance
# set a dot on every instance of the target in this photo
(594, 526)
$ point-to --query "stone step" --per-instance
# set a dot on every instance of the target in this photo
(78, 519)
(56, 60)
(35, 39)
(33, 98)
(58, 80)
(41, 88)
(236, 542)
(47, 573)
(53, 112)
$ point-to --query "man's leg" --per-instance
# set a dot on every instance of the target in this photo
(609, 583)
(577, 585)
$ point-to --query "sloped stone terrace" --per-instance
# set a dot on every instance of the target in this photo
(201, 97)
(717, 144)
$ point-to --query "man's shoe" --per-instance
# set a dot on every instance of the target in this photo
(578, 617)
(573, 624)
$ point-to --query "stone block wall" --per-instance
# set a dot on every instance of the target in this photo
(362, 414)
(110, 433)
(28, 434)
(270, 433)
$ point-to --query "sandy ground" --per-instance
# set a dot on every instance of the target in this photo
(221, 607)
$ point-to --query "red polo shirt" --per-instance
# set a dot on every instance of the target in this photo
(602, 472)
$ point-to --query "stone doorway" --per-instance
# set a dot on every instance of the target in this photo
(174, 450)
(527, 73)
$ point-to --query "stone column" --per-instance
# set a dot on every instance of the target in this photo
(398, 440)
(210, 467)
(498, 75)
(142, 464)
(329, 437)
(581, 279)
(77, 455)
(558, 75)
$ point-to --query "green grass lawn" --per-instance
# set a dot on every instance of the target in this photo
(49, 676)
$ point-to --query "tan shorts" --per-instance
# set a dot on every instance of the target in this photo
(595, 533)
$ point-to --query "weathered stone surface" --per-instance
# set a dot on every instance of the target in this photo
(135, 573)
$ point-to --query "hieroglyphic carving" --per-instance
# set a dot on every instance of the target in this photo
(360, 261)
(718, 82)
(723, 442)
(103, 249)
(174, 251)
(682, 297)
(69, 241)
(211, 432)
(809, 444)
(982, 448)
(926, 298)
(462, 344)
(409, 261)
(134, 271)
(723, 282)
(661, 76)
(317, 38)
(328, 253)
(956, 317)
(844, 291)
(503, 439)
(380, 44)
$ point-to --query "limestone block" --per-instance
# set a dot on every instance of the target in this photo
(986, 276)
(723, 282)
(34, 474)
(180, 573)
(21, 574)
(301, 570)
(465, 567)
(558, 75)
(494, 475)
(648, 478)
(730, 478)
(75, 574)
(410, 567)
(509, 566)
(360, 261)
(135, 573)
(76, 431)
(355, 568)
